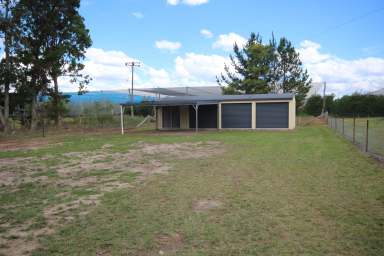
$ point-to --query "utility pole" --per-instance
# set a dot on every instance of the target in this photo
(323, 109)
(132, 64)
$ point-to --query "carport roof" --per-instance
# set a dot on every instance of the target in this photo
(215, 99)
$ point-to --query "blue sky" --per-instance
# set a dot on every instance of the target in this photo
(341, 42)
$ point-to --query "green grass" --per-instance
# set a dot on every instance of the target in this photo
(27, 203)
(305, 192)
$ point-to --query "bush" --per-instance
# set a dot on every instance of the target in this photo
(314, 104)
(359, 105)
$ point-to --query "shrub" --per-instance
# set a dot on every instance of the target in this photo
(314, 104)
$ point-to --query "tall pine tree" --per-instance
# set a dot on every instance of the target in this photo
(250, 67)
(265, 68)
(289, 75)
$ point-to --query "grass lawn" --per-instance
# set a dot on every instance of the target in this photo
(304, 192)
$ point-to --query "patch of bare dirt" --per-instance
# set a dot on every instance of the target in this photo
(17, 246)
(151, 167)
(25, 144)
(57, 213)
(7, 178)
(101, 171)
(103, 252)
(15, 171)
(169, 243)
(206, 205)
(20, 240)
(305, 121)
(107, 146)
(184, 150)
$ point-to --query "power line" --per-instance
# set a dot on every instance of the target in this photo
(354, 19)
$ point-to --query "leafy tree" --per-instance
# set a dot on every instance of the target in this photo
(314, 104)
(30, 43)
(7, 65)
(67, 42)
(50, 42)
(265, 68)
(52, 108)
(250, 68)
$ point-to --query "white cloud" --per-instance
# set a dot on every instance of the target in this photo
(187, 2)
(199, 66)
(195, 2)
(168, 45)
(173, 2)
(106, 68)
(206, 33)
(227, 41)
(343, 76)
(138, 15)
(109, 72)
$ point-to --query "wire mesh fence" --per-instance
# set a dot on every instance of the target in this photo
(84, 123)
(365, 133)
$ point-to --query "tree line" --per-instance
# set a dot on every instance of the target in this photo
(359, 105)
(274, 67)
(42, 42)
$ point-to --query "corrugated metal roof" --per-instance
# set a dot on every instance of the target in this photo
(214, 99)
(183, 91)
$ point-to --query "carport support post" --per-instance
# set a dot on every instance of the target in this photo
(196, 107)
(122, 119)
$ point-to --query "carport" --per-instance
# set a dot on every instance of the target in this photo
(247, 111)
(187, 113)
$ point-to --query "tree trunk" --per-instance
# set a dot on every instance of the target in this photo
(2, 119)
(34, 116)
(6, 108)
(5, 115)
(56, 101)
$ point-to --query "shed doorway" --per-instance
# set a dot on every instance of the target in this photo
(272, 115)
(171, 117)
(236, 115)
(207, 117)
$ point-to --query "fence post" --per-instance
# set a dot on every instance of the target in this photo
(354, 128)
(366, 136)
(343, 125)
(336, 123)
(43, 127)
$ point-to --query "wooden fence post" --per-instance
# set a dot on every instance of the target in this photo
(366, 136)
(43, 127)
(343, 125)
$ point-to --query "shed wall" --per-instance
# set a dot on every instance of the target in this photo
(185, 115)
